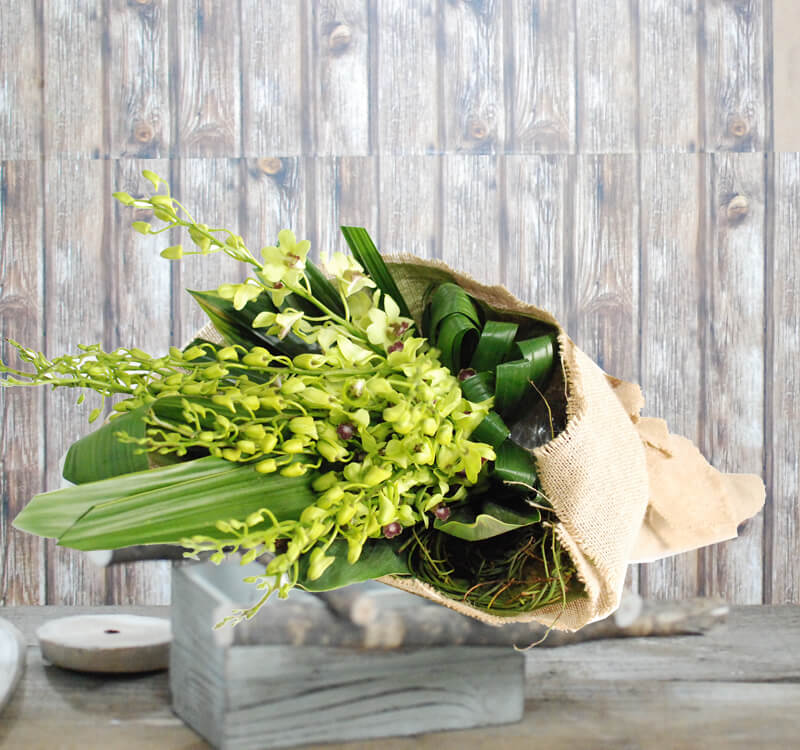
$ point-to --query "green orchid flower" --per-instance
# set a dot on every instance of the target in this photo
(349, 274)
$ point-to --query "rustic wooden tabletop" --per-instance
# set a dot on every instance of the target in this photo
(736, 687)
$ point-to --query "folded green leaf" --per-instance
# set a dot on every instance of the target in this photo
(365, 252)
(497, 338)
(101, 455)
(378, 558)
(489, 520)
(450, 299)
(492, 430)
(515, 464)
(456, 341)
(540, 352)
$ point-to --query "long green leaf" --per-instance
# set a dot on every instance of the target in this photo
(378, 558)
(456, 341)
(365, 252)
(492, 430)
(163, 505)
(101, 455)
(489, 520)
(540, 352)
(450, 299)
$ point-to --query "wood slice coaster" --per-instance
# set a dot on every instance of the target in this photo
(107, 643)
(12, 660)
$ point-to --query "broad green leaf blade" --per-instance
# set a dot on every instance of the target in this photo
(365, 252)
(101, 455)
(478, 387)
(489, 520)
(235, 326)
(515, 464)
(492, 430)
(378, 558)
(50, 514)
(323, 290)
(176, 512)
(497, 338)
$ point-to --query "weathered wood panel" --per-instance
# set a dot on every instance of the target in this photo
(536, 229)
(470, 234)
(210, 190)
(606, 76)
(20, 81)
(734, 70)
(339, 36)
(409, 204)
(407, 77)
(540, 65)
(672, 278)
(785, 56)
(22, 556)
(139, 308)
(344, 193)
(75, 297)
(73, 79)
(138, 78)
(471, 59)
(275, 191)
(733, 346)
(603, 265)
(782, 577)
(275, 108)
(669, 77)
(205, 78)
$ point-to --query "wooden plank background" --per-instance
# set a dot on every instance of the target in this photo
(612, 162)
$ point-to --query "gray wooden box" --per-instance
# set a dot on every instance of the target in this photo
(242, 691)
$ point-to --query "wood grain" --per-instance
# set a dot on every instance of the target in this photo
(603, 271)
(671, 348)
(733, 393)
(782, 574)
(471, 58)
(669, 76)
(76, 312)
(339, 31)
(73, 79)
(138, 79)
(275, 191)
(785, 79)
(344, 193)
(205, 79)
(407, 76)
(735, 90)
(209, 188)
(536, 229)
(275, 110)
(606, 76)
(540, 95)
(20, 81)
(409, 196)
(471, 217)
(23, 564)
(139, 306)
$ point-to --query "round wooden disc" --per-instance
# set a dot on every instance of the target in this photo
(106, 643)
(12, 660)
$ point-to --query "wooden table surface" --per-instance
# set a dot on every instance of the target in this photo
(738, 686)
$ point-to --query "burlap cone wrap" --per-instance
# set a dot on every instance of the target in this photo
(595, 472)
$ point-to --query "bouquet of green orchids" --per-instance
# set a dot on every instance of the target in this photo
(318, 425)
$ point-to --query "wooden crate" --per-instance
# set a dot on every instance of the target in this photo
(242, 691)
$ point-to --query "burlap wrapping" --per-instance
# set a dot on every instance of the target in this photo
(595, 472)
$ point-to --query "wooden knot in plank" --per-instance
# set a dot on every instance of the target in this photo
(478, 130)
(738, 126)
(737, 208)
(143, 131)
(340, 38)
(270, 165)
